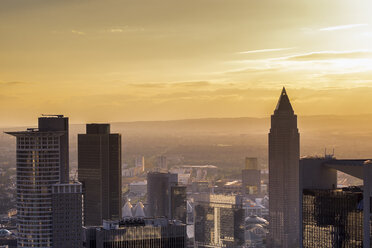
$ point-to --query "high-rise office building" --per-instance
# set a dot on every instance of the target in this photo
(58, 123)
(218, 220)
(284, 153)
(331, 216)
(42, 159)
(251, 178)
(99, 169)
(159, 193)
(178, 203)
(67, 215)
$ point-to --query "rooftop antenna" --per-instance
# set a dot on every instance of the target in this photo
(329, 156)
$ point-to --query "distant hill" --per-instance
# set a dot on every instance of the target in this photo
(225, 142)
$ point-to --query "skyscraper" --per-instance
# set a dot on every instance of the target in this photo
(331, 216)
(178, 203)
(159, 187)
(58, 123)
(284, 150)
(42, 159)
(99, 168)
(67, 215)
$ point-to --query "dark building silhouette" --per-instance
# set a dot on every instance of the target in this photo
(159, 188)
(99, 168)
(284, 152)
(178, 203)
(218, 220)
(67, 205)
(251, 178)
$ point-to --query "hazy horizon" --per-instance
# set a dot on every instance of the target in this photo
(71, 122)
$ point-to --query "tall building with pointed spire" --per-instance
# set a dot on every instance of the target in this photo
(284, 153)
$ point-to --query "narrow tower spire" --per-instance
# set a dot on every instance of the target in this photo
(284, 105)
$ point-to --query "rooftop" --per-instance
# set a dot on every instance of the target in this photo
(284, 105)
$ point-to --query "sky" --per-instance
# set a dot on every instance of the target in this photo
(132, 60)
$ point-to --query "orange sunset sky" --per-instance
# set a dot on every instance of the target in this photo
(174, 59)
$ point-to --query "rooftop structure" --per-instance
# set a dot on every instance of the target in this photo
(136, 232)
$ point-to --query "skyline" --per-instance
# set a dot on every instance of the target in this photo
(141, 61)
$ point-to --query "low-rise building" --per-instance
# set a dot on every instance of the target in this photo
(136, 232)
(218, 220)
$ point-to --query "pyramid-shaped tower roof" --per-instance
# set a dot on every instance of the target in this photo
(284, 105)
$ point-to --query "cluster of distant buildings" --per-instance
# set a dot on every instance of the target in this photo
(182, 207)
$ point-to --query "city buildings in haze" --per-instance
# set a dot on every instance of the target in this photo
(159, 194)
(178, 203)
(161, 163)
(251, 178)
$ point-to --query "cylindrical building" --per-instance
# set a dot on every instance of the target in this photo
(38, 167)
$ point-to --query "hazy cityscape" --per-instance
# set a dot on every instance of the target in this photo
(185, 124)
(181, 192)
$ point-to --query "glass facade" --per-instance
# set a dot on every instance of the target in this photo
(159, 200)
(332, 218)
(38, 167)
(178, 203)
(99, 169)
(67, 215)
